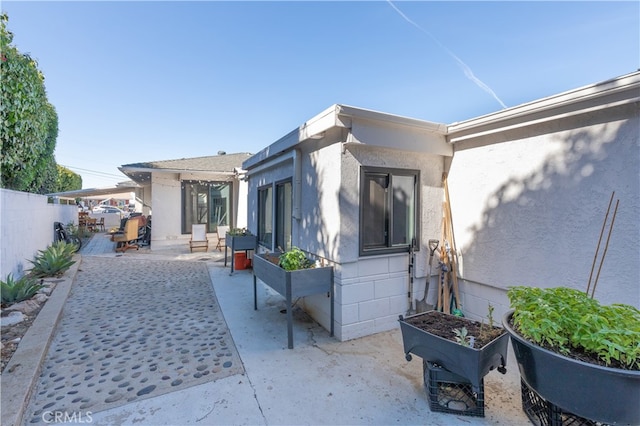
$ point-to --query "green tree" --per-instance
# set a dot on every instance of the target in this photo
(28, 122)
(67, 180)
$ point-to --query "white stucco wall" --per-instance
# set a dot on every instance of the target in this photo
(26, 226)
(166, 227)
(528, 207)
(370, 291)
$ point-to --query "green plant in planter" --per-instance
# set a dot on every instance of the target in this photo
(13, 291)
(53, 261)
(462, 337)
(295, 259)
(566, 320)
(239, 232)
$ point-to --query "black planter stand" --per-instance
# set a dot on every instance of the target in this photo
(602, 394)
(470, 363)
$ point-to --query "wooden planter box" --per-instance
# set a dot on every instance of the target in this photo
(237, 243)
(292, 284)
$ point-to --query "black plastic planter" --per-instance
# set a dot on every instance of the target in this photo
(470, 363)
(602, 394)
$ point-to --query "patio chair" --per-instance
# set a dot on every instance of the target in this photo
(222, 235)
(100, 224)
(128, 239)
(199, 237)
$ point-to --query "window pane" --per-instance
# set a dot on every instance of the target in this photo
(283, 216)
(195, 208)
(265, 216)
(220, 205)
(374, 215)
(403, 188)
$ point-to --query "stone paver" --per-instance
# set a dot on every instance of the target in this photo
(133, 329)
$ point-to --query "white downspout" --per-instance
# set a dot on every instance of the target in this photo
(297, 184)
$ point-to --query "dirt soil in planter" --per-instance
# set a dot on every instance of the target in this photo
(442, 325)
(275, 259)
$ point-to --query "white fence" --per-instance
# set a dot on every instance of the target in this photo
(26, 226)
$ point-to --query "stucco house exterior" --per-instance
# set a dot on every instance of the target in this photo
(178, 193)
(528, 185)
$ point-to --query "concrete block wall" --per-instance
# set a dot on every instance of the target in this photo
(369, 296)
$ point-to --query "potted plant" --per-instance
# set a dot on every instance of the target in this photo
(460, 345)
(293, 275)
(578, 355)
(238, 239)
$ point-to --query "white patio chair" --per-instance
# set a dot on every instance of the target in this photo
(199, 237)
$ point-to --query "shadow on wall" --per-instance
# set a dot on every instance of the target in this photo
(542, 229)
(314, 229)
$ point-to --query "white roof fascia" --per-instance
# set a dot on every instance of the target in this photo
(154, 170)
(372, 128)
(311, 129)
(353, 112)
(620, 90)
(335, 116)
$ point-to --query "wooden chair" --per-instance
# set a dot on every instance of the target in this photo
(222, 235)
(127, 240)
(199, 237)
(100, 224)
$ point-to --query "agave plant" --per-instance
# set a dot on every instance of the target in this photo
(13, 291)
(53, 261)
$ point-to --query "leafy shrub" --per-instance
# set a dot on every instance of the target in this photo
(13, 291)
(77, 231)
(563, 319)
(53, 261)
(295, 259)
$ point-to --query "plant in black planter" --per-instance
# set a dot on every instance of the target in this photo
(462, 346)
(293, 275)
(579, 355)
(295, 259)
(239, 232)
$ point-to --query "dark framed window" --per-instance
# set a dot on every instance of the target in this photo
(389, 208)
(265, 216)
(275, 215)
(206, 202)
(283, 215)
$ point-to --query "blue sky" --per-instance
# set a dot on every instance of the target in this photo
(143, 81)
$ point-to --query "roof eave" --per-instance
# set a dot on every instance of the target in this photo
(621, 90)
(335, 116)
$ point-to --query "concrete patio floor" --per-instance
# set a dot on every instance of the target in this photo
(321, 382)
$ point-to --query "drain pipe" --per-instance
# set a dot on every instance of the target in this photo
(297, 184)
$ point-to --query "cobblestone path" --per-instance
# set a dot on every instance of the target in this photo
(132, 329)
